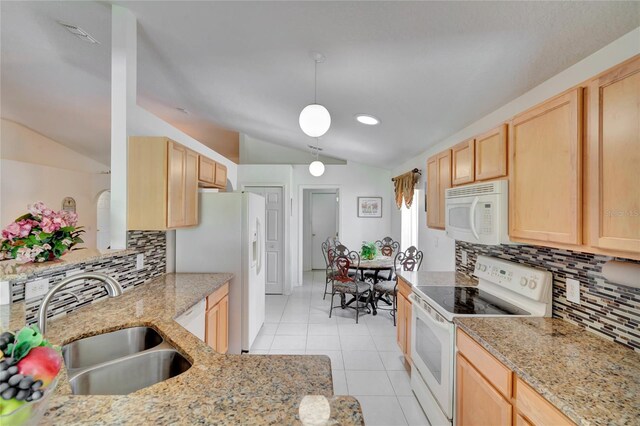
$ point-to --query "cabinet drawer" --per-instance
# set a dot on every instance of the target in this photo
(404, 288)
(536, 409)
(216, 296)
(492, 369)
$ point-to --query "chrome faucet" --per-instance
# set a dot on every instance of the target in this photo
(113, 289)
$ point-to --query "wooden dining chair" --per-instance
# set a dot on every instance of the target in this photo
(409, 260)
(344, 280)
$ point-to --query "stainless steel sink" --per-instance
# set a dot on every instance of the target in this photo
(121, 362)
(128, 375)
(109, 346)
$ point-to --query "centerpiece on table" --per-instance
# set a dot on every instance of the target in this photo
(368, 251)
(40, 235)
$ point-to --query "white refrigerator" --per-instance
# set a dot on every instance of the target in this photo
(230, 238)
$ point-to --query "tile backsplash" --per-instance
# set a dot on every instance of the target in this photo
(122, 267)
(607, 309)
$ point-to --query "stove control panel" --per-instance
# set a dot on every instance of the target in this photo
(531, 282)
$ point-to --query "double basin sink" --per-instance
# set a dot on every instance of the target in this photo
(121, 362)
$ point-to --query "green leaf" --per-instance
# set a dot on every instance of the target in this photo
(26, 339)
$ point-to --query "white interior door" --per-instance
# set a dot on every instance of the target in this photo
(274, 236)
(324, 224)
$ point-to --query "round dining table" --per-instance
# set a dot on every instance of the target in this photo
(377, 265)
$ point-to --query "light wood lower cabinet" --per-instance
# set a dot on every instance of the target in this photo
(438, 181)
(162, 185)
(403, 319)
(613, 159)
(217, 320)
(479, 403)
(545, 172)
(488, 393)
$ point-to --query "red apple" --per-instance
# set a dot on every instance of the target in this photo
(42, 363)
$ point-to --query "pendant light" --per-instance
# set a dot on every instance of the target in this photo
(316, 168)
(315, 119)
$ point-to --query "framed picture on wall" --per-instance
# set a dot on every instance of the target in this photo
(369, 206)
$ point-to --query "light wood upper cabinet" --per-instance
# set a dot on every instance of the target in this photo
(545, 172)
(613, 159)
(161, 184)
(207, 170)
(438, 181)
(491, 154)
(221, 175)
(463, 164)
(478, 403)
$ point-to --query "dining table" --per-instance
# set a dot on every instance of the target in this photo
(378, 264)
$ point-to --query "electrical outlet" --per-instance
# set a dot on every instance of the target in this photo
(139, 261)
(573, 290)
(36, 288)
(463, 257)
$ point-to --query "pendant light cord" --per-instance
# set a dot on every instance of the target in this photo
(315, 81)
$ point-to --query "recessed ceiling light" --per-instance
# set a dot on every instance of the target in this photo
(79, 32)
(367, 119)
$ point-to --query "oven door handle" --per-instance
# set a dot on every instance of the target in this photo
(434, 318)
(472, 217)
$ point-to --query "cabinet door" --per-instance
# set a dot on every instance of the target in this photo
(463, 163)
(432, 192)
(176, 184)
(407, 325)
(444, 183)
(401, 332)
(491, 154)
(212, 327)
(223, 325)
(221, 175)
(206, 170)
(478, 403)
(191, 189)
(613, 173)
(521, 421)
(545, 171)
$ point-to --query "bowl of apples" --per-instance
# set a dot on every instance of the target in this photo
(29, 370)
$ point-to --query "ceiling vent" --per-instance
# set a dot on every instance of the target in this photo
(79, 32)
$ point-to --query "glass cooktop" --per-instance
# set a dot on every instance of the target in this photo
(469, 301)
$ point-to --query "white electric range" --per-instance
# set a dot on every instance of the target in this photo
(504, 289)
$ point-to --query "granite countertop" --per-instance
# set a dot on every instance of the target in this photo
(11, 270)
(217, 389)
(591, 380)
(437, 278)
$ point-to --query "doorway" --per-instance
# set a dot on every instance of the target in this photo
(103, 220)
(274, 236)
(320, 221)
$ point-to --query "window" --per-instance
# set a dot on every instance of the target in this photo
(409, 223)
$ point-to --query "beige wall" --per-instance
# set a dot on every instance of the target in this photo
(36, 168)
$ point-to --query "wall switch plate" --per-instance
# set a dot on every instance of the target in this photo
(5, 293)
(36, 288)
(573, 290)
(139, 261)
(463, 257)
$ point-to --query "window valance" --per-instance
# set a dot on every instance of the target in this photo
(404, 186)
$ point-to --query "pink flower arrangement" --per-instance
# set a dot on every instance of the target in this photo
(40, 235)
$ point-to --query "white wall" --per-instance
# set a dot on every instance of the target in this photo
(36, 168)
(439, 249)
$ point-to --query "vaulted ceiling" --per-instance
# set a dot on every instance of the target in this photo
(426, 69)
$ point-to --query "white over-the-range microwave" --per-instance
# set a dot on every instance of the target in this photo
(478, 213)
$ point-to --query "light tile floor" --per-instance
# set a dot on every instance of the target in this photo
(365, 359)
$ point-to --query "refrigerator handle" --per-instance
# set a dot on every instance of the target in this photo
(260, 247)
